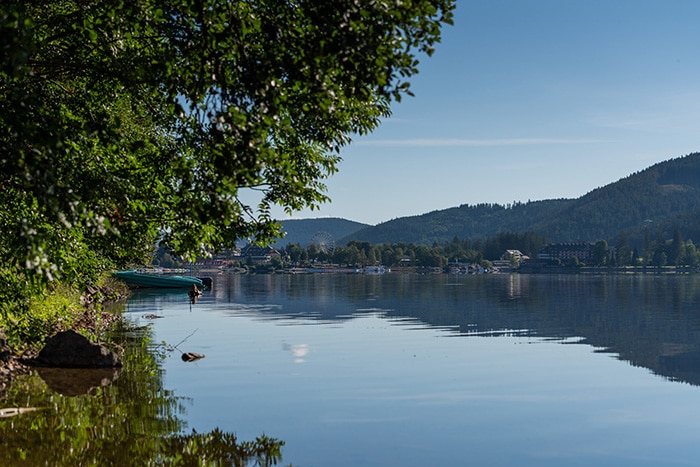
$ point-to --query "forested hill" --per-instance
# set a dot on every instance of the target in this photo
(659, 198)
(303, 231)
(479, 221)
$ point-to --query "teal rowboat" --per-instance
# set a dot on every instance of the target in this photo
(140, 279)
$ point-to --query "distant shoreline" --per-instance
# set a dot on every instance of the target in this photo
(607, 270)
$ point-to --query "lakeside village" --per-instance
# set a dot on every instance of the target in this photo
(573, 257)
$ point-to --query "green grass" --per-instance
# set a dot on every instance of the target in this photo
(29, 324)
(30, 321)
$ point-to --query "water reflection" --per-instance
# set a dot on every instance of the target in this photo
(390, 370)
(77, 381)
(112, 417)
(647, 320)
(298, 351)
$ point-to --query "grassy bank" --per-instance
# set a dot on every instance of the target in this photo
(34, 316)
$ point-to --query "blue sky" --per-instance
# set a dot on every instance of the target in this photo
(530, 100)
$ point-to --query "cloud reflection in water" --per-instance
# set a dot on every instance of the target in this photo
(299, 351)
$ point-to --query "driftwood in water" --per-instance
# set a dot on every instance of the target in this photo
(191, 356)
(12, 411)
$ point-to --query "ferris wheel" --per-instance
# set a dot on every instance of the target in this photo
(323, 241)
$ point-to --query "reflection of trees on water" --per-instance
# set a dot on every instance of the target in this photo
(649, 320)
(133, 421)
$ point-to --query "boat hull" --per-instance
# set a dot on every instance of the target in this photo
(138, 280)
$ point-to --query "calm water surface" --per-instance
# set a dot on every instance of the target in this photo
(441, 370)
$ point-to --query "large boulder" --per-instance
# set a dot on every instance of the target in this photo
(68, 349)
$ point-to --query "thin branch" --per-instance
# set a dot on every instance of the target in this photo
(183, 340)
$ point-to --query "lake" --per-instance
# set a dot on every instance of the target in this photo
(408, 370)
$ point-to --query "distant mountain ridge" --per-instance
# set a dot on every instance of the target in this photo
(660, 198)
(303, 231)
(655, 200)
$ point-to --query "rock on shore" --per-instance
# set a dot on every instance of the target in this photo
(69, 349)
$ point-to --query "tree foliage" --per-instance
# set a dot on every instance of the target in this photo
(457, 251)
(124, 121)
